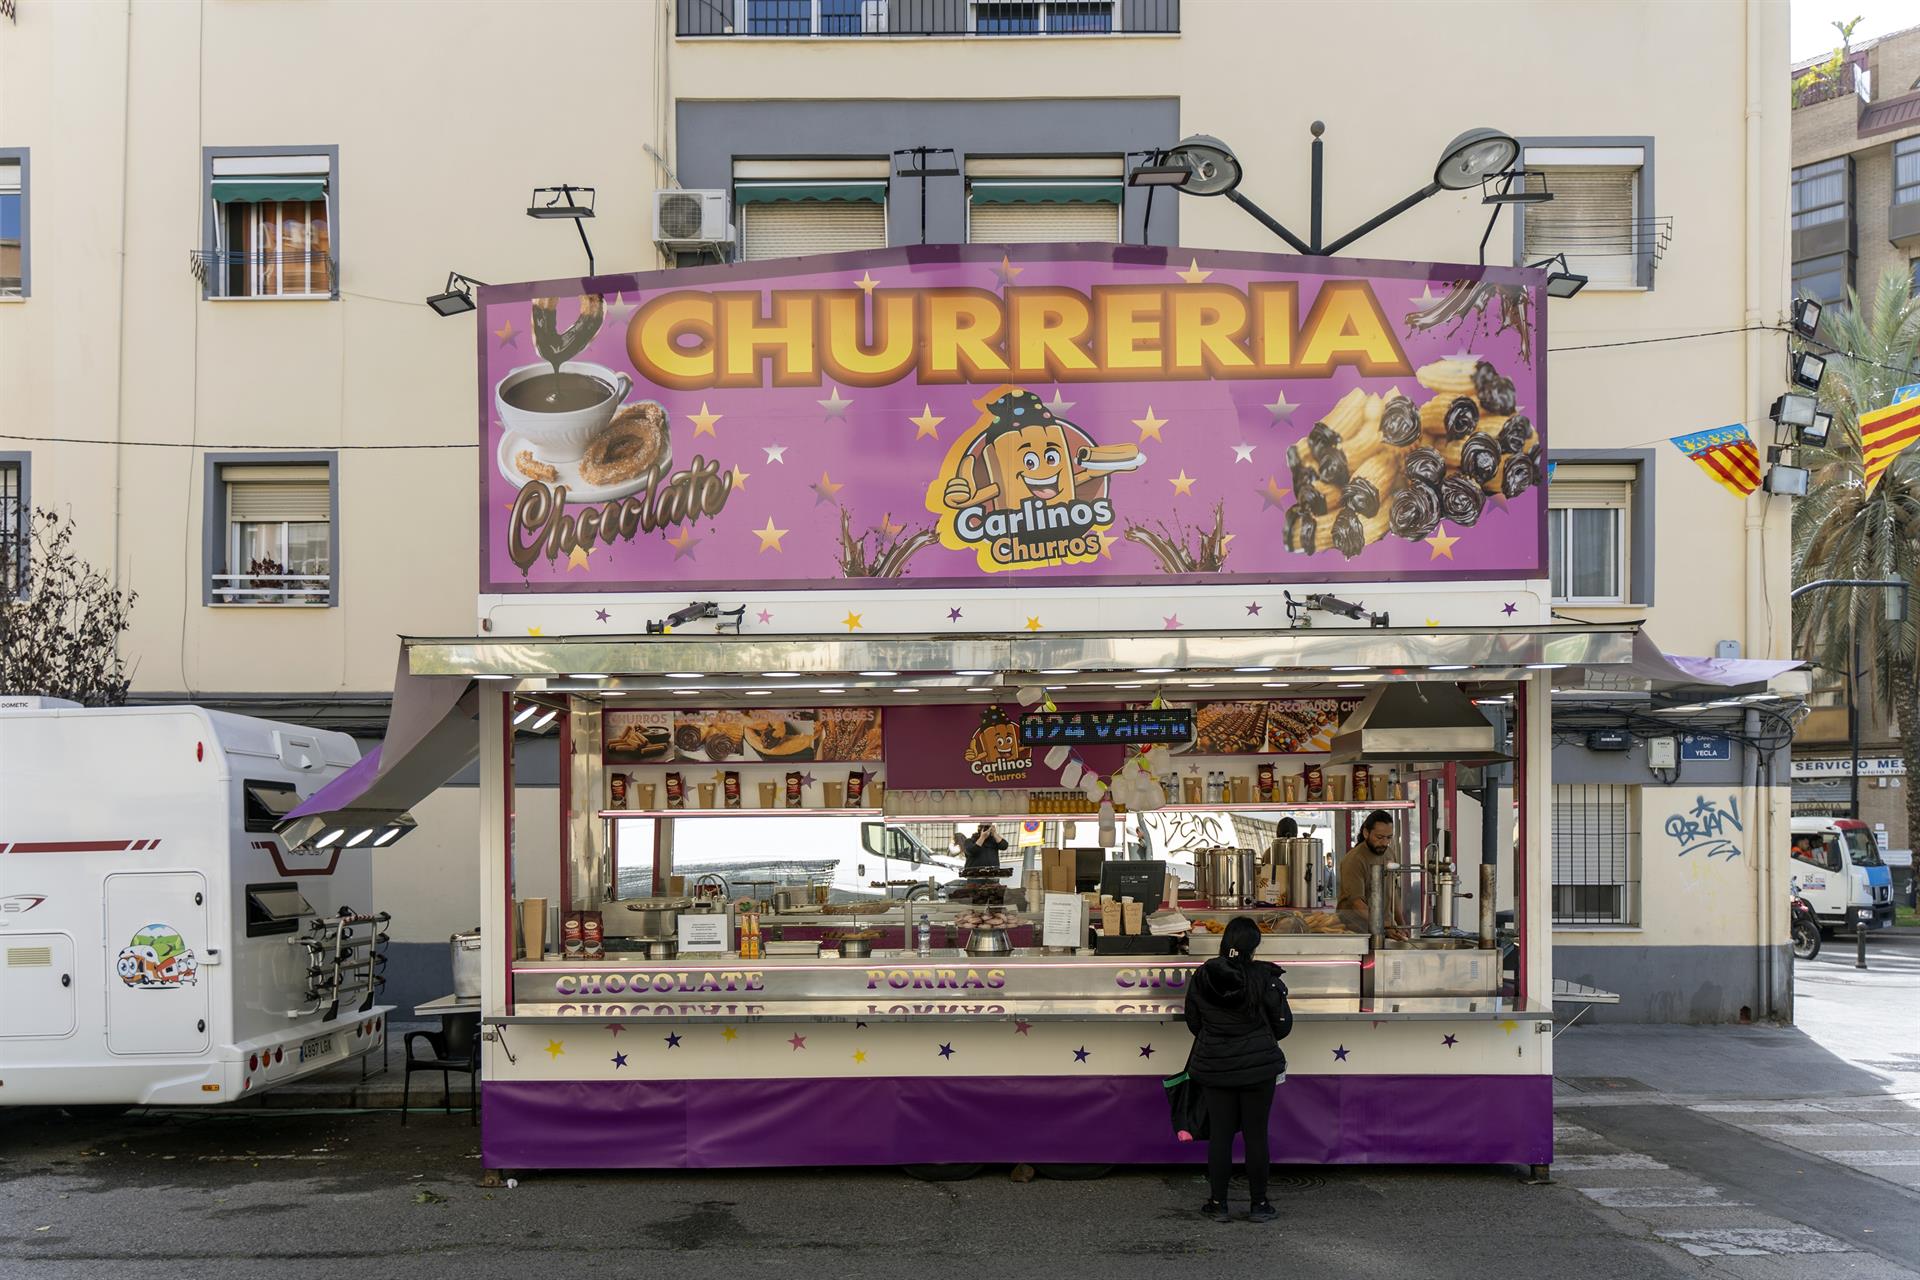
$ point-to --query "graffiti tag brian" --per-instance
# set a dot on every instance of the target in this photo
(1704, 828)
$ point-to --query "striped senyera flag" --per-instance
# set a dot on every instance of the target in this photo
(1883, 434)
(1727, 454)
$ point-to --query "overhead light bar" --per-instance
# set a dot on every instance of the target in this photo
(526, 713)
(540, 725)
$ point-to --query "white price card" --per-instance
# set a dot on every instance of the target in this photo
(703, 933)
(1063, 923)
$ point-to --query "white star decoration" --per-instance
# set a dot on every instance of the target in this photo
(1426, 298)
(1058, 404)
(1280, 409)
(835, 404)
(618, 309)
(776, 453)
(1243, 452)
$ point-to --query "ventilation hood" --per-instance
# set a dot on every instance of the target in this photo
(1417, 722)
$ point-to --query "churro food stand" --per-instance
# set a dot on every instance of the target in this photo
(800, 568)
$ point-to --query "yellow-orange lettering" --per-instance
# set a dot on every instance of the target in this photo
(1208, 323)
(1346, 326)
(1048, 332)
(654, 334)
(865, 360)
(787, 334)
(962, 326)
(1131, 324)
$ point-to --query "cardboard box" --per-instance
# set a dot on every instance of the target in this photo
(533, 927)
(1135, 914)
(676, 886)
(1056, 870)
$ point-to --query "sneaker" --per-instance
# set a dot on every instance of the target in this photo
(1262, 1212)
(1216, 1210)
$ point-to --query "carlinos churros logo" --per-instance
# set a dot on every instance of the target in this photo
(995, 752)
(1025, 488)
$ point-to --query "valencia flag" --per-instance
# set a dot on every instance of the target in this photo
(1883, 434)
(1727, 454)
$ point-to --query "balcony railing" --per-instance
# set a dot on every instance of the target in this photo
(839, 18)
(273, 588)
(310, 273)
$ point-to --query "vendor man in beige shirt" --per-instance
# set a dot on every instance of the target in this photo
(1374, 849)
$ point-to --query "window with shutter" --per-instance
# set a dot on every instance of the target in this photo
(1594, 219)
(13, 224)
(272, 226)
(279, 535)
(1587, 527)
(1596, 854)
(1030, 199)
(794, 228)
(15, 526)
(1031, 223)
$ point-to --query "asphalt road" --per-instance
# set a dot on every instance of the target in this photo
(218, 1196)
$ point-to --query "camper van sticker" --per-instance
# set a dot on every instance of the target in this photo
(1065, 415)
(158, 957)
(20, 903)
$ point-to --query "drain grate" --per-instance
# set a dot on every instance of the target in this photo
(1606, 1084)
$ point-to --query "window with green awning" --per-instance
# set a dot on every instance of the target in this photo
(259, 190)
(810, 193)
(1045, 192)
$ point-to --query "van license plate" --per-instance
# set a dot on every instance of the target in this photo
(317, 1047)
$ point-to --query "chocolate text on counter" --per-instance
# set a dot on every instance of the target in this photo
(594, 984)
(1130, 978)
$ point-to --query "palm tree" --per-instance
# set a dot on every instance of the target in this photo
(1839, 531)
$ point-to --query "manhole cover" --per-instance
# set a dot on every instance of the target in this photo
(1607, 1084)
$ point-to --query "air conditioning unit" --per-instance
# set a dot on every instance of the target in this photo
(684, 219)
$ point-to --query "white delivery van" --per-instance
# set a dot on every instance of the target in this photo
(855, 858)
(158, 943)
(1837, 867)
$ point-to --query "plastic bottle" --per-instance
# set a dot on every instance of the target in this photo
(923, 936)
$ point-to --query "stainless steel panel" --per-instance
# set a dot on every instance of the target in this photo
(1435, 973)
(588, 849)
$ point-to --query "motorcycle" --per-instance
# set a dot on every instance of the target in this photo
(1805, 930)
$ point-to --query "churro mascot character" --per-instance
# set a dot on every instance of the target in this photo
(994, 751)
(1029, 452)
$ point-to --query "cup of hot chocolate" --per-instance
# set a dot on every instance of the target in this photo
(558, 412)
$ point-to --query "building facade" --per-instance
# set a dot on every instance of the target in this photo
(218, 359)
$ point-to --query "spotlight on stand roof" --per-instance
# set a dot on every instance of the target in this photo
(458, 298)
(558, 202)
(1160, 169)
(1806, 317)
(1564, 282)
(1806, 369)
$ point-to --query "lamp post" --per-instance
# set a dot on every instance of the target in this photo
(1896, 589)
(1214, 170)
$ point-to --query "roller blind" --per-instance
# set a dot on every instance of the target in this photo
(1589, 493)
(271, 493)
(1030, 223)
(794, 230)
(1592, 218)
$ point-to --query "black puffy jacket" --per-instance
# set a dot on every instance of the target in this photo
(1236, 1039)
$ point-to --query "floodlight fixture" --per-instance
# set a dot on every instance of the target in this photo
(1564, 282)
(1806, 316)
(1788, 481)
(1212, 168)
(458, 298)
(1816, 434)
(925, 162)
(1515, 187)
(1160, 169)
(558, 202)
(1806, 368)
(1793, 411)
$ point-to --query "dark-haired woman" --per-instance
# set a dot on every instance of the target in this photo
(1237, 1010)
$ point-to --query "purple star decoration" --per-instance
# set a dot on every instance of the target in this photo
(1510, 608)
(1449, 1041)
(673, 1040)
(1080, 1054)
(619, 1060)
(946, 1050)
(953, 615)
(1340, 1054)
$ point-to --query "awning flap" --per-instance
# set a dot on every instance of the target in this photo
(1046, 192)
(261, 190)
(810, 192)
(432, 734)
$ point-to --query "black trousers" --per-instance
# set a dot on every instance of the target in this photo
(1244, 1111)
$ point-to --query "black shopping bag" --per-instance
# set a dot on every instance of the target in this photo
(1186, 1108)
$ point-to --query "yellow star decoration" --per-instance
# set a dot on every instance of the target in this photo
(505, 330)
(703, 421)
(859, 1055)
(1106, 545)
(1275, 494)
(827, 488)
(889, 528)
(1033, 624)
(1226, 540)
(928, 422)
(739, 478)
(1433, 622)
(729, 1034)
(1509, 1026)
(1442, 545)
(770, 536)
(851, 621)
(1193, 274)
(556, 1047)
(1150, 426)
(533, 631)
(686, 537)
(1182, 484)
(577, 559)
(866, 283)
(1006, 270)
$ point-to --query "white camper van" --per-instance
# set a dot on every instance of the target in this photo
(158, 943)
(856, 859)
